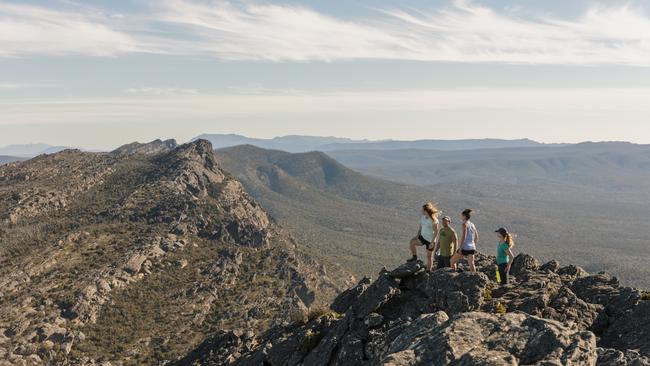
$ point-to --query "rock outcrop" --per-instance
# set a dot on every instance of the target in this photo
(131, 256)
(548, 315)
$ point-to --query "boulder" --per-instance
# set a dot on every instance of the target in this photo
(404, 358)
(450, 291)
(612, 357)
(523, 263)
(350, 296)
(571, 272)
(373, 320)
(550, 266)
(481, 338)
(376, 295)
(631, 331)
(134, 264)
(407, 269)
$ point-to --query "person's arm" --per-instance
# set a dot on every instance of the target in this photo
(475, 236)
(436, 232)
(464, 233)
(454, 241)
(512, 256)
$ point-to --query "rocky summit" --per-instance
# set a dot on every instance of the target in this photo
(547, 315)
(153, 255)
(134, 257)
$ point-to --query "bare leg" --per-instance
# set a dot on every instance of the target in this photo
(470, 259)
(429, 260)
(455, 259)
(413, 245)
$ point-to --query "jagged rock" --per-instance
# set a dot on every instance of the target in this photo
(350, 296)
(134, 264)
(407, 269)
(403, 358)
(322, 353)
(151, 148)
(550, 266)
(571, 272)
(522, 263)
(512, 337)
(450, 291)
(51, 332)
(569, 309)
(373, 320)
(376, 295)
(597, 289)
(631, 331)
(612, 357)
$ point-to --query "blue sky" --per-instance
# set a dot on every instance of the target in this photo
(98, 74)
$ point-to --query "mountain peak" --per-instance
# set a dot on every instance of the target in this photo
(149, 148)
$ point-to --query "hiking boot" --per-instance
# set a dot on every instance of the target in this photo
(413, 259)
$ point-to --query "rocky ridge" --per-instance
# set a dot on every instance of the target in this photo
(548, 315)
(97, 249)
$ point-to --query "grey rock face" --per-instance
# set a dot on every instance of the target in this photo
(408, 316)
(631, 332)
(450, 291)
(612, 357)
(522, 263)
(407, 270)
(350, 296)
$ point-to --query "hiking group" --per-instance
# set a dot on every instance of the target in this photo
(442, 243)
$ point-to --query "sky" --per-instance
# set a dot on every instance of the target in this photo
(97, 73)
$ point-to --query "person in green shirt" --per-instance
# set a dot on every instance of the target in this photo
(447, 243)
(504, 254)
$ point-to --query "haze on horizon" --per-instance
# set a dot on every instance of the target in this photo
(100, 74)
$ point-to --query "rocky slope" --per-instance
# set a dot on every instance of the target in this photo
(548, 315)
(135, 256)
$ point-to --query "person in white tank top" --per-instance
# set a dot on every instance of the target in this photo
(427, 234)
(468, 242)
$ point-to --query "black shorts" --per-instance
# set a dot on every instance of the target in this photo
(467, 252)
(425, 242)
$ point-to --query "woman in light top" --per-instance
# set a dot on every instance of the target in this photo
(467, 243)
(427, 234)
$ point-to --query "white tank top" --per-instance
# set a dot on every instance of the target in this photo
(426, 227)
(470, 236)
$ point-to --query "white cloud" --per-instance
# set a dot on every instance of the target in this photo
(161, 91)
(460, 32)
(26, 29)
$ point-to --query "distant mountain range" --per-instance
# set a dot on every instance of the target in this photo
(8, 159)
(30, 150)
(298, 143)
(592, 195)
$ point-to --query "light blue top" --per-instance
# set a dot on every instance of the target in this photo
(426, 228)
(470, 236)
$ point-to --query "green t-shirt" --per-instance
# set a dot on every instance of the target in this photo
(447, 237)
(502, 253)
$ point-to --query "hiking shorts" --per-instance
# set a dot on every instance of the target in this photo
(426, 243)
(444, 261)
(467, 252)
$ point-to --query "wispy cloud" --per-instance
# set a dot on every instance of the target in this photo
(26, 29)
(462, 31)
(161, 91)
(303, 103)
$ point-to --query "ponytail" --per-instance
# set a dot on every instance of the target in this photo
(510, 240)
